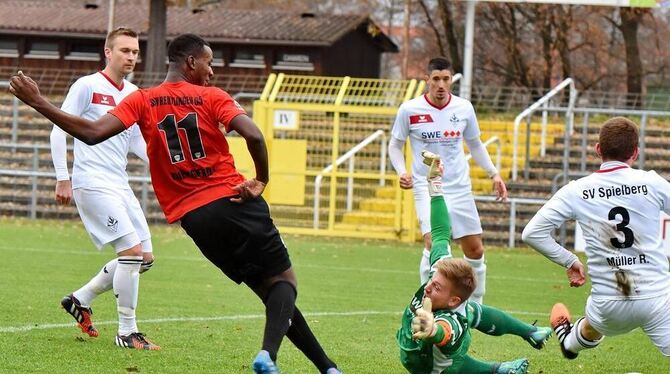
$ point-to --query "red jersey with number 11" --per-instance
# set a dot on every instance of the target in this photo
(189, 158)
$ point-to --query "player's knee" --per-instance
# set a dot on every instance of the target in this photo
(133, 251)
(147, 256)
(147, 263)
(287, 276)
(588, 331)
(475, 253)
(127, 245)
(472, 248)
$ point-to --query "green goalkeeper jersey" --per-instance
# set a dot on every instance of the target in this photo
(420, 356)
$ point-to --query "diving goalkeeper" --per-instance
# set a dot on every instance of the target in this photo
(434, 336)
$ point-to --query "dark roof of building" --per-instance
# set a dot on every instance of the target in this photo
(216, 24)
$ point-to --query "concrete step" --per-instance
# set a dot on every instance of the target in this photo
(377, 205)
(369, 218)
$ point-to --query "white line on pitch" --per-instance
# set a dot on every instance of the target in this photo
(47, 326)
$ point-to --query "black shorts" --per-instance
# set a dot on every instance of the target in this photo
(239, 238)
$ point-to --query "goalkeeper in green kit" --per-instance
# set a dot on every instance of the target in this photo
(435, 333)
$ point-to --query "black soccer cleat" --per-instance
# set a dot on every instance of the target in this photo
(81, 314)
(135, 340)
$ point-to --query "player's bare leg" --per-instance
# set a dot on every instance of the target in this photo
(473, 250)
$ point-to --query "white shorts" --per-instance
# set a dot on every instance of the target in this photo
(616, 317)
(109, 214)
(462, 212)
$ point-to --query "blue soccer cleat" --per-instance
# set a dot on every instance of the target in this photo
(333, 371)
(263, 364)
(519, 366)
(538, 338)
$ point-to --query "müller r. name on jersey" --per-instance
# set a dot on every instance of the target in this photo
(607, 192)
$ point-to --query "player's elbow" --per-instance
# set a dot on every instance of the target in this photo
(91, 137)
(527, 235)
(531, 237)
(255, 138)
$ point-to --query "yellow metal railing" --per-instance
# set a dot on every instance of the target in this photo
(311, 122)
(331, 115)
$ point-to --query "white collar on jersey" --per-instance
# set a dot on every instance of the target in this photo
(460, 309)
(611, 166)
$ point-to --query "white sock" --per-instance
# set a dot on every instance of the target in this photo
(100, 283)
(126, 285)
(575, 341)
(424, 266)
(479, 267)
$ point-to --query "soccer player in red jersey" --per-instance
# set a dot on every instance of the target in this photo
(196, 183)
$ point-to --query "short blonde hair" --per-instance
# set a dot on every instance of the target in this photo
(460, 274)
(109, 41)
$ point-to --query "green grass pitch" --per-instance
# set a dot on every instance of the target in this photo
(352, 292)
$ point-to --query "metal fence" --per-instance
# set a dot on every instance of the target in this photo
(56, 82)
(314, 127)
(27, 180)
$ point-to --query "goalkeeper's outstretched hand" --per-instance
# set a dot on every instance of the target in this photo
(423, 324)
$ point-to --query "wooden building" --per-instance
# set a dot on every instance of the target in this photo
(64, 34)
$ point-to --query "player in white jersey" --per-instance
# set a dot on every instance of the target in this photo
(618, 208)
(106, 204)
(439, 122)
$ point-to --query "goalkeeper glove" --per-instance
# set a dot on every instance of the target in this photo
(423, 323)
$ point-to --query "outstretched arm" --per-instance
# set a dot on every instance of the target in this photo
(537, 234)
(89, 132)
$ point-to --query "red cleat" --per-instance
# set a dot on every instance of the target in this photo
(81, 314)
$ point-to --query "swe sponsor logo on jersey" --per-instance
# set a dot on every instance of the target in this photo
(103, 99)
(440, 134)
(420, 118)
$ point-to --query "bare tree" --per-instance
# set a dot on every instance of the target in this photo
(433, 24)
(156, 38)
(629, 26)
(441, 22)
(450, 31)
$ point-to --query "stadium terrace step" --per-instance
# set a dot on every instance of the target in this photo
(508, 127)
(655, 146)
(377, 205)
(361, 228)
(549, 166)
(477, 172)
(369, 218)
(385, 192)
(656, 127)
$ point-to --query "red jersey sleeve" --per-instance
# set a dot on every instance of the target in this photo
(130, 109)
(224, 107)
